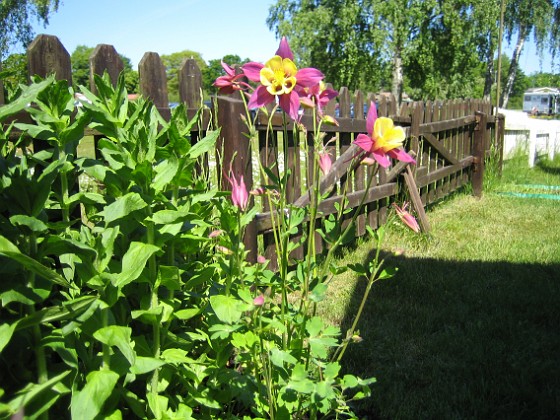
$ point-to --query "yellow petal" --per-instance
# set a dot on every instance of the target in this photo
(290, 68)
(382, 125)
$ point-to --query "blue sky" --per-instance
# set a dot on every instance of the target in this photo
(213, 28)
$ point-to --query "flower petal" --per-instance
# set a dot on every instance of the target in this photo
(401, 155)
(381, 158)
(290, 104)
(253, 71)
(309, 76)
(260, 97)
(365, 142)
(284, 49)
(382, 126)
(371, 118)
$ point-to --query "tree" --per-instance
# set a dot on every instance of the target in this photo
(80, 69)
(334, 36)
(526, 17)
(13, 73)
(173, 63)
(15, 20)
(434, 47)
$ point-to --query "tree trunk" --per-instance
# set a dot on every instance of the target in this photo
(397, 86)
(489, 76)
(513, 66)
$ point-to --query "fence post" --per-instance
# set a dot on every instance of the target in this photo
(104, 58)
(47, 55)
(500, 134)
(190, 84)
(479, 142)
(153, 82)
(234, 150)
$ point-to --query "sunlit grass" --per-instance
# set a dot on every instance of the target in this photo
(468, 326)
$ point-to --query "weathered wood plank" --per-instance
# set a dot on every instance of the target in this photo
(190, 84)
(104, 58)
(46, 55)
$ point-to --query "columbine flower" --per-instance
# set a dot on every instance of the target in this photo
(239, 193)
(261, 259)
(325, 162)
(280, 78)
(215, 233)
(317, 96)
(407, 218)
(383, 139)
(230, 82)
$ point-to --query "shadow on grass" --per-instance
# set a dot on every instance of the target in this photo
(450, 340)
(550, 167)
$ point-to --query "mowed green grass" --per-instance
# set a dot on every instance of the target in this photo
(470, 325)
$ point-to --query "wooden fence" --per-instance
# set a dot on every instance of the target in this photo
(449, 139)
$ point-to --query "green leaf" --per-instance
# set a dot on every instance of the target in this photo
(122, 207)
(115, 335)
(133, 262)
(165, 172)
(314, 326)
(32, 391)
(280, 357)
(186, 314)
(205, 145)
(6, 331)
(32, 223)
(9, 250)
(319, 293)
(158, 404)
(331, 371)
(226, 308)
(28, 95)
(176, 356)
(145, 365)
(87, 403)
(68, 310)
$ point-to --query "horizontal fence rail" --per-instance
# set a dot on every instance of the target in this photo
(449, 140)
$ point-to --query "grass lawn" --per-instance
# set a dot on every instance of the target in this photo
(469, 326)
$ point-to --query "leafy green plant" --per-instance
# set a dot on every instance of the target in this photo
(136, 298)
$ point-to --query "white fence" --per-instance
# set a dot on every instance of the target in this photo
(536, 137)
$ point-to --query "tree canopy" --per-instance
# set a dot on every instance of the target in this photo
(16, 18)
(80, 68)
(173, 63)
(433, 49)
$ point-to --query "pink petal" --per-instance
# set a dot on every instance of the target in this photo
(364, 141)
(229, 70)
(371, 117)
(260, 97)
(284, 49)
(401, 155)
(290, 104)
(308, 77)
(253, 71)
(381, 158)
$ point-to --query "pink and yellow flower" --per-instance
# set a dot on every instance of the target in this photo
(280, 80)
(383, 140)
